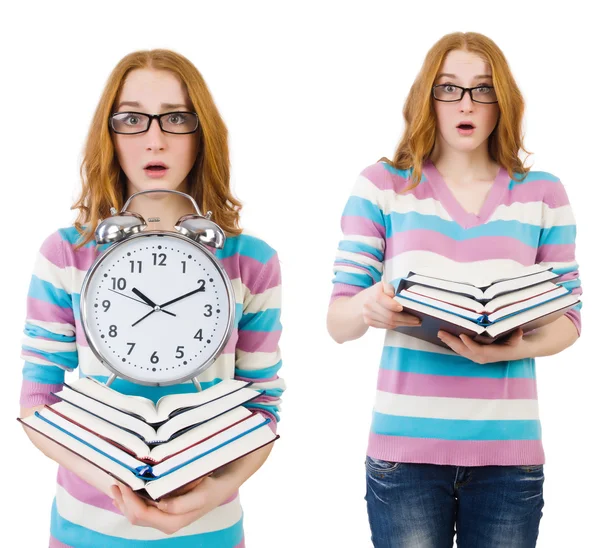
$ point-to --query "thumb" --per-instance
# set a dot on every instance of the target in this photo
(388, 289)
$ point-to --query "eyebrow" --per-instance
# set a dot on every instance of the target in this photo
(478, 77)
(137, 104)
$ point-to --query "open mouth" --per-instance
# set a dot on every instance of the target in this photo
(155, 168)
(466, 126)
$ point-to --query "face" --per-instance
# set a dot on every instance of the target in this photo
(465, 69)
(154, 92)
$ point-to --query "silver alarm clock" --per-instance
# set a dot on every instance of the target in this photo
(157, 307)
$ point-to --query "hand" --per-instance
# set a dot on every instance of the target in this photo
(381, 310)
(174, 512)
(513, 348)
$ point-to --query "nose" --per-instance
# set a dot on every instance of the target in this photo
(466, 104)
(154, 136)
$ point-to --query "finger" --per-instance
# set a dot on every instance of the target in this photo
(388, 289)
(453, 342)
(470, 343)
(195, 500)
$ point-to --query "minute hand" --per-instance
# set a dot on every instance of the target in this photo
(182, 297)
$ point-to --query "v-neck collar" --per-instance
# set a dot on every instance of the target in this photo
(453, 207)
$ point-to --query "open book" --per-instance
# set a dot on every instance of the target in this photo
(114, 407)
(527, 299)
(219, 431)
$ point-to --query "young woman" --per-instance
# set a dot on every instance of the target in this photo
(155, 110)
(455, 442)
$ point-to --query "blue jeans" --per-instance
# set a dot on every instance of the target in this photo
(423, 505)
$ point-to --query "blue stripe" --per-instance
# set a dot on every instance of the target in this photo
(248, 246)
(397, 223)
(45, 374)
(452, 365)
(71, 236)
(359, 247)
(455, 429)
(265, 373)
(374, 272)
(72, 534)
(571, 284)
(270, 408)
(361, 207)
(534, 176)
(350, 278)
(66, 359)
(558, 235)
(76, 306)
(566, 269)
(273, 392)
(265, 320)
(153, 393)
(36, 331)
(45, 291)
(404, 173)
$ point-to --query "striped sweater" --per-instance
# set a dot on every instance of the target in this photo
(433, 405)
(54, 342)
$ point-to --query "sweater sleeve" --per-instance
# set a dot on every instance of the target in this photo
(48, 346)
(556, 245)
(257, 354)
(359, 258)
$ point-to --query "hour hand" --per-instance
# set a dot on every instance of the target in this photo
(149, 302)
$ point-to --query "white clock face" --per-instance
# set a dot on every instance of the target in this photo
(157, 308)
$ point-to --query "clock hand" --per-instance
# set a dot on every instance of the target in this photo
(148, 302)
(182, 297)
(123, 294)
(143, 318)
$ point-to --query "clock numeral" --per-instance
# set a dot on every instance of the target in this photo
(202, 284)
(162, 257)
(106, 305)
(183, 263)
(208, 312)
(154, 357)
(139, 263)
(198, 335)
(131, 349)
(112, 331)
(119, 284)
(179, 353)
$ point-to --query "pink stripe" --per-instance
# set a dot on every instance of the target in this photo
(575, 317)
(52, 249)
(83, 491)
(248, 379)
(270, 276)
(37, 393)
(384, 179)
(48, 312)
(231, 343)
(80, 335)
(264, 399)
(359, 267)
(240, 545)
(569, 276)
(32, 354)
(476, 249)
(82, 259)
(245, 270)
(258, 341)
(344, 290)
(551, 193)
(57, 544)
(556, 253)
(456, 453)
(361, 226)
(417, 384)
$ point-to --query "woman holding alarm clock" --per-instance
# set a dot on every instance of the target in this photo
(156, 127)
(455, 442)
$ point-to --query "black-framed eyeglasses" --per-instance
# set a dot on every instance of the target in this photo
(131, 123)
(450, 93)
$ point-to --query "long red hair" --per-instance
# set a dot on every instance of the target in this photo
(103, 181)
(504, 143)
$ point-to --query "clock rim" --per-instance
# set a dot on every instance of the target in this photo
(83, 307)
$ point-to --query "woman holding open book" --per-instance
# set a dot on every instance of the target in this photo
(455, 441)
(155, 127)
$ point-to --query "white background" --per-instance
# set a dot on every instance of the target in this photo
(311, 93)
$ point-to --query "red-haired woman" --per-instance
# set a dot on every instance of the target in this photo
(156, 127)
(455, 442)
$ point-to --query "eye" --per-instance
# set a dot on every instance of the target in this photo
(175, 116)
(484, 89)
(128, 119)
(449, 88)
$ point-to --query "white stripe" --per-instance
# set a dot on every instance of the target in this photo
(358, 258)
(251, 361)
(402, 264)
(455, 408)
(391, 201)
(270, 298)
(54, 327)
(395, 339)
(46, 345)
(534, 213)
(42, 362)
(351, 269)
(111, 523)
(373, 241)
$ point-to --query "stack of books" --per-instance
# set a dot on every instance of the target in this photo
(487, 308)
(155, 449)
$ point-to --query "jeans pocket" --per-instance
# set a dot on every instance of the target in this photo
(381, 466)
(531, 467)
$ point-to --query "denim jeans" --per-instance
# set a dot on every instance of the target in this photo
(424, 505)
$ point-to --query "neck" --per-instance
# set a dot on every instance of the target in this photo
(464, 166)
(167, 207)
